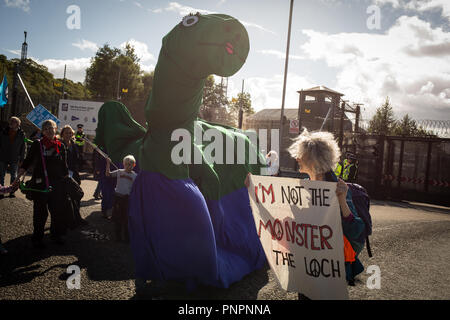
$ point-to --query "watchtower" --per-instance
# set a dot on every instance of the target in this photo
(314, 105)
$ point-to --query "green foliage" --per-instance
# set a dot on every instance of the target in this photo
(408, 127)
(383, 122)
(102, 75)
(41, 85)
(243, 100)
(133, 86)
(214, 106)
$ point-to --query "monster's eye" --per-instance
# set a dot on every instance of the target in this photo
(189, 21)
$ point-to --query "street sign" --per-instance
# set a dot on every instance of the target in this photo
(293, 126)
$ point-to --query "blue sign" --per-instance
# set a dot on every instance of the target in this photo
(40, 114)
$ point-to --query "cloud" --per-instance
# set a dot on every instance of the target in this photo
(280, 55)
(257, 26)
(418, 5)
(85, 44)
(21, 4)
(76, 68)
(267, 92)
(141, 50)
(14, 52)
(138, 4)
(185, 10)
(409, 63)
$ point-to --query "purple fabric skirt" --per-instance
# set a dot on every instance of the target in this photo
(175, 234)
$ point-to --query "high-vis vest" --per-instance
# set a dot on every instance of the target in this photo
(339, 166)
(338, 170)
(78, 139)
(346, 172)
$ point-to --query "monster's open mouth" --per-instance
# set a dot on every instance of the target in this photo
(228, 47)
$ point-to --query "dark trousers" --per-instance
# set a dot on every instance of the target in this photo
(76, 204)
(120, 216)
(55, 202)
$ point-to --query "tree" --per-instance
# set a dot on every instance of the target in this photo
(102, 75)
(115, 74)
(408, 127)
(383, 122)
(244, 100)
(214, 106)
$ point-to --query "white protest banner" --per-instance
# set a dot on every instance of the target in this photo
(299, 225)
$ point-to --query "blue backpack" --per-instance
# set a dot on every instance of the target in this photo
(361, 200)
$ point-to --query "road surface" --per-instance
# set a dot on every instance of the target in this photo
(410, 243)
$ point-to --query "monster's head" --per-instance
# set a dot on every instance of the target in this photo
(207, 44)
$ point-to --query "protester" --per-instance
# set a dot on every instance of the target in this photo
(272, 162)
(350, 169)
(316, 154)
(37, 134)
(79, 141)
(97, 175)
(49, 160)
(12, 150)
(4, 189)
(125, 178)
(73, 166)
(107, 185)
(98, 191)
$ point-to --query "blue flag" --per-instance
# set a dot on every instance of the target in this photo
(4, 92)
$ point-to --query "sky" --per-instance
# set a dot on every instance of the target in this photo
(365, 49)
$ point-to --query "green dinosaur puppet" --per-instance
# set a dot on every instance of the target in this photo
(217, 243)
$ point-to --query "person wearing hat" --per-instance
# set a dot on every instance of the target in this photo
(350, 169)
(79, 142)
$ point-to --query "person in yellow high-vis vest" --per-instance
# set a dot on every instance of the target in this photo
(350, 169)
(79, 142)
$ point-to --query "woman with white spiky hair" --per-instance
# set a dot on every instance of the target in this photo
(317, 154)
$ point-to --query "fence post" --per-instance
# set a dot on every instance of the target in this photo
(427, 172)
(379, 165)
(400, 164)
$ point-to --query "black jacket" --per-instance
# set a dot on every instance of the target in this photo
(12, 152)
(55, 163)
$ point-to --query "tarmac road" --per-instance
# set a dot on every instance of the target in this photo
(410, 243)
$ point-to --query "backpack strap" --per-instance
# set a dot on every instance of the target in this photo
(369, 250)
(43, 165)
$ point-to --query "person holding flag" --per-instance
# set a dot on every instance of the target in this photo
(4, 92)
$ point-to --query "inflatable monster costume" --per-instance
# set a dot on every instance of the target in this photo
(188, 222)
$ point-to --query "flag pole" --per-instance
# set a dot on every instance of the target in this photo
(104, 155)
(23, 86)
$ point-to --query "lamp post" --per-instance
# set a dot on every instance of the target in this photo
(285, 76)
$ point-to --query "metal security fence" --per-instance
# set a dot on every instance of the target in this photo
(403, 168)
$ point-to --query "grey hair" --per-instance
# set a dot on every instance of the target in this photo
(317, 148)
(48, 123)
(129, 159)
(17, 120)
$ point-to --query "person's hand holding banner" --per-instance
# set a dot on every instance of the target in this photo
(299, 225)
